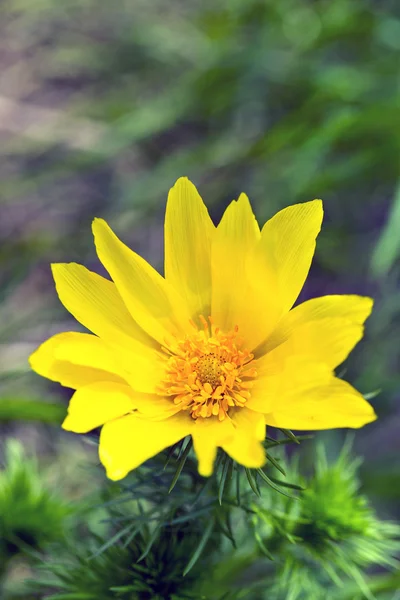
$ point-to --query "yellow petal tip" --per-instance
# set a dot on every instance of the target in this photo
(205, 472)
(182, 179)
(66, 424)
(97, 223)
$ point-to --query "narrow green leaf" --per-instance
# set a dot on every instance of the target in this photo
(275, 463)
(300, 438)
(238, 498)
(192, 514)
(170, 454)
(182, 447)
(273, 485)
(387, 250)
(230, 529)
(260, 542)
(180, 464)
(371, 395)
(290, 435)
(132, 535)
(252, 482)
(203, 541)
(149, 544)
(225, 471)
(287, 484)
(72, 596)
(112, 540)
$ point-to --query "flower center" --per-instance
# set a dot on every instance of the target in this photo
(209, 373)
(209, 370)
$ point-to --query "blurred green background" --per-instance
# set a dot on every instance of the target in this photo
(103, 105)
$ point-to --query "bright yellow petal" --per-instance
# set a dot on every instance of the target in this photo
(236, 297)
(96, 404)
(281, 375)
(153, 303)
(142, 367)
(334, 405)
(188, 234)
(288, 245)
(245, 446)
(353, 310)
(46, 363)
(155, 407)
(328, 341)
(128, 442)
(301, 354)
(208, 435)
(95, 303)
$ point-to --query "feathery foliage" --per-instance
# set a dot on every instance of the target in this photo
(330, 535)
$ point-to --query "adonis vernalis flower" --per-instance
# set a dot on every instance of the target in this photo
(213, 349)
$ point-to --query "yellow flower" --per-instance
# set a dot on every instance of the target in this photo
(213, 350)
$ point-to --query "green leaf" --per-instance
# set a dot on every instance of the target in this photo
(289, 434)
(24, 409)
(226, 470)
(225, 526)
(292, 486)
(252, 481)
(200, 547)
(387, 249)
(300, 438)
(371, 395)
(180, 464)
(273, 485)
(117, 536)
(275, 463)
(72, 596)
(149, 544)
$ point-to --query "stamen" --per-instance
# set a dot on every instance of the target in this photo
(193, 324)
(205, 372)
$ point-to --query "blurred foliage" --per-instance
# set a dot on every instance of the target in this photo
(126, 571)
(108, 104)
(29, 409)
(104, 105)
(141, 543)
(31, 514)
(326, 543)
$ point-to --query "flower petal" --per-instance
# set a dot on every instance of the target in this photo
(327, 341)
(188, 234)
(128, 442)
(96, 404)
(95, 303)
(208, 435)
(281, 375)
(155, 407)
(245, 446)
(140, 366)
(236, 301)
(353, 310)
(330, 406)
(151, 300)
(288, 245)
(45, 362)
(301, 354)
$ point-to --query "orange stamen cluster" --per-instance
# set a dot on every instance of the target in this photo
(208, 372)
